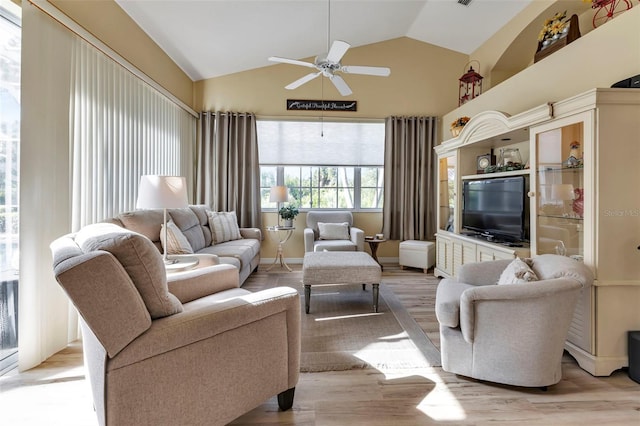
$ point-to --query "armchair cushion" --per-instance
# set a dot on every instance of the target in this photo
(333, 231)
(224, 226)
(140, 258)
(176, 242)
(549, 266)
(203, 281)
(517, 272)
(101, 289)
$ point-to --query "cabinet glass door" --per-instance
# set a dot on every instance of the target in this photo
(447, 192)
(560, 191)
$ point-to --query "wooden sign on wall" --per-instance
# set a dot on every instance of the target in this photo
(309, 105)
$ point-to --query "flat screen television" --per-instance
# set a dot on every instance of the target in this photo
(496, 208)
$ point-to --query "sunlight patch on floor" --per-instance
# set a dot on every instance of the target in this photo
(373, 314)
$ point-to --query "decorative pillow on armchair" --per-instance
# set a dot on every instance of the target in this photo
(517, 272)
(333, 231)
(176, 242)
(224, 226)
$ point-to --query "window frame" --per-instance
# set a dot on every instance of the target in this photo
(357, 180)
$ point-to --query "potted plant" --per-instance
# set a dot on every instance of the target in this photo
(288, 213)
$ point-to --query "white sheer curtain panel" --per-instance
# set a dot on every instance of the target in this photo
(46, 319)
(121, 129)
(90, 129)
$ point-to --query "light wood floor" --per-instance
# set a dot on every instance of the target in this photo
(56, 394)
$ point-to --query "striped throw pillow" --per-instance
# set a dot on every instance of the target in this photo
(176, 242)
(224, 226)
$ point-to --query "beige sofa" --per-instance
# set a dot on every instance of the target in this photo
(190, 349)
(244, 253)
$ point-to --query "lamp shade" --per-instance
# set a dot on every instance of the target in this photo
(162, 192)
(563, 191)
(278, 194)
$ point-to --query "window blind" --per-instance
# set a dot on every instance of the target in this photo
(121, 129)
(316, 143)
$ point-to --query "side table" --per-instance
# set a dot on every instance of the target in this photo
(281, 234)
(373, 245)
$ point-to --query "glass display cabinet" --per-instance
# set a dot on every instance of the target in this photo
(560, 191)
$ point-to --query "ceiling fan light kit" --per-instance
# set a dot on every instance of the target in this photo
(329, 65)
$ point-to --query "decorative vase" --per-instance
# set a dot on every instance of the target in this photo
(288, 223)
(455, 131)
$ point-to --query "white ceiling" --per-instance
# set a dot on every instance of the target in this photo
(210, 38)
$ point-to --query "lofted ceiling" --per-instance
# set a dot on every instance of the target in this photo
(210, 38)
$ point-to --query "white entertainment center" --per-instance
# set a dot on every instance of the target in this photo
(581, 160)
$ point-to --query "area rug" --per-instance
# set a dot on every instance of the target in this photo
(341, 332)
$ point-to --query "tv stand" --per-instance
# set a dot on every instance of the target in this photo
(454, 250)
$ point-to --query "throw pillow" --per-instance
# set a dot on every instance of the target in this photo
(176, 242)
(333, 231)
(517, 272)
(140, 258)
(224, 227)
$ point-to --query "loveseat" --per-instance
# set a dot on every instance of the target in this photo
(187, 348)
(193, 223)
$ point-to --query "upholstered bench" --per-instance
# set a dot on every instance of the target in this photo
(340, 267)
(417, 254)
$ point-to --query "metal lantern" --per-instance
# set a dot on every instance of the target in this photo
(470, 85)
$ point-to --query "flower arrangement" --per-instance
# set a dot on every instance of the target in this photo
(288, 212)
(553, 26)
(460, 122)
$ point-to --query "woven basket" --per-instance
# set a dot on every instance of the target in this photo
(455, 131)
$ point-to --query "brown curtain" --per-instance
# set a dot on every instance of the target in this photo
(409, 211)
(228, 170)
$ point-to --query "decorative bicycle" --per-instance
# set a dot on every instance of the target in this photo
(608, 9)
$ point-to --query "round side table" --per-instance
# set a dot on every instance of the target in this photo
(373, 245)
(281, 234)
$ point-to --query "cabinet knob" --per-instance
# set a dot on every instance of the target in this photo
(531, 194)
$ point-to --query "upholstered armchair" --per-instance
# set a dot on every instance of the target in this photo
(512, 333)
(332, 231)
(189, 347)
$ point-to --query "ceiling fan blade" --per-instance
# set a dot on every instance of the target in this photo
(299, 82)
(337, 51)
(291, 61)
(341, 85)
(355, 69)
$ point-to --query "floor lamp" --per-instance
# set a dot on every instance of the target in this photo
(278, 194)
(162, 192)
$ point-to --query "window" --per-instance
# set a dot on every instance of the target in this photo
(10, 61)
(330, 165)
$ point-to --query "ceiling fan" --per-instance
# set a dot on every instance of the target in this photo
(328, 65)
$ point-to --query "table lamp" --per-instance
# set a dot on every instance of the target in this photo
(278, 194)
(162, 192)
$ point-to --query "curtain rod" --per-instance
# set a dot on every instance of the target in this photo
(78, 30)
